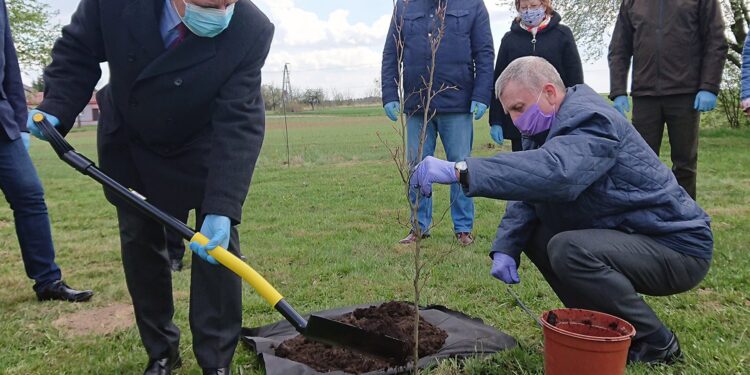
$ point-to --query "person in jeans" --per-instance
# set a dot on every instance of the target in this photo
(21, 185)
(678, 51)
(536, 31)
(590, 204)
(463, 68)
(745, 89)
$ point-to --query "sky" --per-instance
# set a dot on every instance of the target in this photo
(337, 45)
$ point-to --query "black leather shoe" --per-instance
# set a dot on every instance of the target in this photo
(162, 366)
(216, 371)
(645, 353)
(58, 290)
(175, 265)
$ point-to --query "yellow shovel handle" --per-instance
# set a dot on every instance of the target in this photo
(243, 270)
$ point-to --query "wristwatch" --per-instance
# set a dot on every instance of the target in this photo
(463, 173)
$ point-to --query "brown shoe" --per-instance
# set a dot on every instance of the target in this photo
(464, 238)
(412, 238)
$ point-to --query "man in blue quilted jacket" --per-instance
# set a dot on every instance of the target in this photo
(461, 83)
(590, 204)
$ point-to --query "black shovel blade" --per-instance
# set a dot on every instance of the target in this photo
(348, 336)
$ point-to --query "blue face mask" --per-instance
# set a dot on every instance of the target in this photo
(207, 22)
(533, 17)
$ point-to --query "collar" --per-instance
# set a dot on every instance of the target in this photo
(533, 30)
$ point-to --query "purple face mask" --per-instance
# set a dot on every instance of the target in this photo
(533, 121)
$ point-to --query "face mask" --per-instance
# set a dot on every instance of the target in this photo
(534, 121)
(533, 17)
(207, 22)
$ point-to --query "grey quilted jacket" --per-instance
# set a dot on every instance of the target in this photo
(592, 171)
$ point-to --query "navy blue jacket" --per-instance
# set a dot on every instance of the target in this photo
(464, 58)
(12, 97)
(593, 171)
(182, 126)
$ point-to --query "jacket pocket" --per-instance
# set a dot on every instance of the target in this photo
(414, 24)
(457, 21)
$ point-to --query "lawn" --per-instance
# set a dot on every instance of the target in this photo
(323, 229)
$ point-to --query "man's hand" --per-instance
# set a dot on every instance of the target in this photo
(392, 110)
(216, 229)
(478, 109)
(704, 101)
(745, 105)
(504, 268)
(621, 104)
(26, 139)
(33, 129)
(496, 132)
(432, 170)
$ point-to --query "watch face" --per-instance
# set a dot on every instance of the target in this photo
(461, 166)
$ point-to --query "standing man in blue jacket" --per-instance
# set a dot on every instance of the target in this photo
(464, 65)
(591, 205)
(20, 183)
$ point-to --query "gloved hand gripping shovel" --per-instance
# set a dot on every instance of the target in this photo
(315, 328)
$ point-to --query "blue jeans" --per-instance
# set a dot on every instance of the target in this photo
(457, 134)
(23, 191)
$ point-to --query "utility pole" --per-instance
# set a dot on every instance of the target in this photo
(286, 92)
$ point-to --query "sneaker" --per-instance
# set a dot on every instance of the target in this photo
(412, 238)
(464, 238)
(645, 353)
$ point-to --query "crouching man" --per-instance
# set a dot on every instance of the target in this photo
(591, 205)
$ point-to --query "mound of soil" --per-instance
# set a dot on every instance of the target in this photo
(395, 319)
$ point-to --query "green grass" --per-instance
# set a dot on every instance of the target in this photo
(323, 231)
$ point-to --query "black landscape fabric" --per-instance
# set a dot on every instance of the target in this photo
(467, 337)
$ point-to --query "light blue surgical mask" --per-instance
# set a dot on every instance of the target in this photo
(532, 17)
(207, 22)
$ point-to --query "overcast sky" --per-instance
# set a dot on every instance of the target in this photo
(337, 44)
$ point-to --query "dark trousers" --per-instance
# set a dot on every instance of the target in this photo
(650, 113)
(175, 245)
(605, 270)
(215, 294)
(23, 191)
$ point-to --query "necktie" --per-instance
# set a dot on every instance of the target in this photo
(181, 34)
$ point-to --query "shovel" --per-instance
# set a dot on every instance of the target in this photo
(315, 328)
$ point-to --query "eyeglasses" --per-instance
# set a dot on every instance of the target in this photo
(529, 6)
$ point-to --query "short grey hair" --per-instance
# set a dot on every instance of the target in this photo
(532, 72)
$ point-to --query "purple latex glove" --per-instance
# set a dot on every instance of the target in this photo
(432, 170)
(504, 268)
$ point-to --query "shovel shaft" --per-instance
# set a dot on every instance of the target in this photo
(243, 270)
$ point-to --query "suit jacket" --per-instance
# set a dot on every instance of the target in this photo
(12, 97)
(182, 126)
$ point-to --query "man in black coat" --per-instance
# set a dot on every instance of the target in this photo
(20, 184)
(182, 123)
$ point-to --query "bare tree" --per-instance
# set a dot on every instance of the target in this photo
(271, 96)
(426, 93)
(313, 97)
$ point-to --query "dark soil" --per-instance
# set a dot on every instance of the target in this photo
(395, 319)
(588, 329)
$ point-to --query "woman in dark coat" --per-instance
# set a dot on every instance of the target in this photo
(535, 32)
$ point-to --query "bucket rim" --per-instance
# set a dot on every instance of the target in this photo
(543, 319)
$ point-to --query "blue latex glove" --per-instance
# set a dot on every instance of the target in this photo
(32, 126)
(478, 109)
(496, 132)
(622, 104)
(705, 101)
(26, 138)
(504, 268)
(432, 170)
(216, 228)
(392, 109)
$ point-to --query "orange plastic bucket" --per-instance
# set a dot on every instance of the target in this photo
(582, 342)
